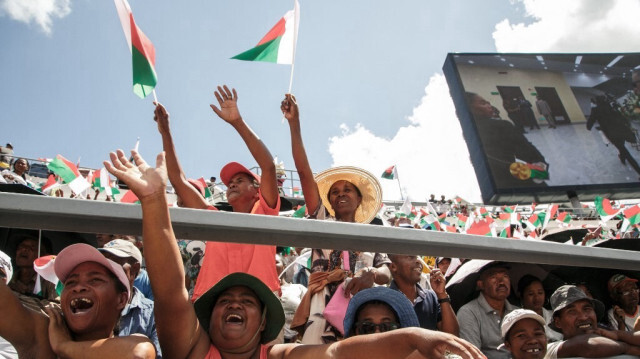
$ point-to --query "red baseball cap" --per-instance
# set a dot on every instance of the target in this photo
(231, 169)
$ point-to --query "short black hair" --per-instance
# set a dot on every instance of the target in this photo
(526, 281)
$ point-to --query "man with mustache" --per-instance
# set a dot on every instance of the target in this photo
(575, 315)
(480, 318)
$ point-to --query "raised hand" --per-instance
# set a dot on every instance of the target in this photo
(289, 108)
(161, 116)
(58, 331)
(437, 281)
(143, 180)
(227, 100)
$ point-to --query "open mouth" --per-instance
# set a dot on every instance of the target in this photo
(80, 305)
(585, 326)
(533, 350)
(234, 319)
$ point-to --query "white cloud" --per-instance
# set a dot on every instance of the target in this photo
(430, 152)
(572, 26)
(40, 12)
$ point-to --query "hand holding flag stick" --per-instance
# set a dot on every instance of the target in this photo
(289, 108)
(279, 44)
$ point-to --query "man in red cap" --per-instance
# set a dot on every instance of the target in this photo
(246, 193)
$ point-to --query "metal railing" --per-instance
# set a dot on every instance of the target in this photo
(61, 214)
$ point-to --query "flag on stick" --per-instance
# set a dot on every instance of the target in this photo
(102, 181)
(278, 45)
(69, 173)
(143, 54)
(389, 173)
(551, 213)
(604, 208)
(49, 185)
(480, 228)
(564, 218)
(631, 217)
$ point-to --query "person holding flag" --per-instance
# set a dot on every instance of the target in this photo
(246, 193)
(345, 194)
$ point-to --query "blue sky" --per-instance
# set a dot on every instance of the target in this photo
(367, 78)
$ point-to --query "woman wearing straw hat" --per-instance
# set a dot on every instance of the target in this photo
(345, 194)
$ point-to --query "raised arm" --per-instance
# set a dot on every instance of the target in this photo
(289, 108)
(449, 322)
(228, 111)
(176, 322)
(189, 195)
(400, 343)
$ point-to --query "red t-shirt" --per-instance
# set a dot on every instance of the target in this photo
(221, 259)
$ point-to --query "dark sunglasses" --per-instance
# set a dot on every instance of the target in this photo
(370, 328)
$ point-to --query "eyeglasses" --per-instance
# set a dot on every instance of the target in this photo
(370, 328)
(629, 292)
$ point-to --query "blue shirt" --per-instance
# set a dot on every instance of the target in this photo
(143, 284)
(426, 307)
(137, 317)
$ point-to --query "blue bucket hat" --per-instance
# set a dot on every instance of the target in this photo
(396, 300)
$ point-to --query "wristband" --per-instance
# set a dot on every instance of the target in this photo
(447, 299)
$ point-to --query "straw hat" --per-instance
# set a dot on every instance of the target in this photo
(367, 184)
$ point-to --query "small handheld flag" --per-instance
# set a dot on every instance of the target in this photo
(143, 54)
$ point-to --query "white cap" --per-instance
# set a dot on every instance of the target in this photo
(517, 315)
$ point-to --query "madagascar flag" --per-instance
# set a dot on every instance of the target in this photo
(604, 208)
(130, 197)
(143, 54)
(389, 173)
(279, 44)
(480, 228)
(564, 217)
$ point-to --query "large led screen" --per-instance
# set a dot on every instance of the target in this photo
(540, 126)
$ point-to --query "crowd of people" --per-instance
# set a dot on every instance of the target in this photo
(158, 296)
